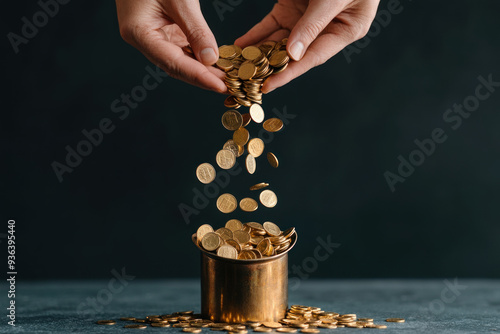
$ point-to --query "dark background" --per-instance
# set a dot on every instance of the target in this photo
(119, 207)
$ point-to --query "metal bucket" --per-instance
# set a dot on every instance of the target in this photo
(238, 291)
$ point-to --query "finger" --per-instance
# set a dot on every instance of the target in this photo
(172, 60)
(260, 31)
(187, 14)
(322, 49)
(315, 19)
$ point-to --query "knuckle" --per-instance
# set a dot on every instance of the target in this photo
(197, 35)
(312, 29)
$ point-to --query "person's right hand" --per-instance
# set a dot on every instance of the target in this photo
(160, 28)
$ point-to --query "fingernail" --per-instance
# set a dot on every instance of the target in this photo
(207, 56)
(297, 50)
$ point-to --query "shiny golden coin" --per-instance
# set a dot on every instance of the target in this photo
(268, 198)
(135, 326)
(227, 203)
(160, 324)
(248, 204)
(310, 330)
(191, 330)
(106, 322)
(262, 329)
(273, 161)
(202, 230)
(331, 326)
(286, 330)
(227, 51)
(272, 229)
(241, 237)
(225, 233)
(251, 52)
(241, 136)
(127, 318)
(225, 64)
(232, 120)
(257, 113)
(227, 251)
(255, 147)
(259, 186)
(230, 102)
(395, 320)
(225, 159)
(279, 58)
(378, 326)
(236, 149)
(273, 125)
(250, 164)
(288, 234)
(264, 246)
(366, 319)
(271, 324)
(181, 325)
(234, 243)
(246, 255)
(211, 241)
(143, 320)
(234, 225)
(205, 173)
(247, 71)
(253, 324)
(246, 119)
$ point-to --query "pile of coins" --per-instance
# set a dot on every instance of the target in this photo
(245, 241)
(246, 69)
(307, 319)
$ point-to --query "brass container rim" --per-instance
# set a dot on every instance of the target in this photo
(264, 259)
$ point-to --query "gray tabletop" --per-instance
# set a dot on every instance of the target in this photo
(432, 306)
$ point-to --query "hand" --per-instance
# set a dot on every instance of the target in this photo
(160, 28)
(316, 31)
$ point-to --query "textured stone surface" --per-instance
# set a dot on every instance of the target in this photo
(428, 306)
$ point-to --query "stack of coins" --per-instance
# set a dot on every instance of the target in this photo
(307, 319)
(245, 241)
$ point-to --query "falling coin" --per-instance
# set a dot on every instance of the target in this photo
(257, 113)
(250, 164)
(273, 161)
(272, 229)
(255, 147)
(259, 186)
(225, 159)
(268, 198)
(205, 173)
(241, 136)
(227, 203)
(232, 120)
(248, 204)
(273, 125)
(200, 233)
(395, 320)
(234, 225)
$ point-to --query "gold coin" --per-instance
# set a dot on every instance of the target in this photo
(251, 52)
(225, 64)
(127, 318)
(160, 324)
(234, 243)
(272, 324)
(255, 147)
(144, 320)
(202, 230)
(246, 71)
(272, 229)
(234, 225)
(246, 119)
(279, 59)
(241, 237)
(257, 113)
(288, 234)
(211, 241)
(310, 330)
(136, 326)
(268, 198)
(225, 159)
(248, 204)
(262, 329)
(250, 164)
(259, 186)
(191, 330)
(286, 330)
(225, 233)
(264, 246)
(205, 173)
(227, 251)
(395, 320)
(106, 322)
(273, 161)
(273, 125)
(232, 120)
(327, 326)
(246, 255)
(227, 51)
(366, 319)
(241, 136)
(230, 102)
(227, 203)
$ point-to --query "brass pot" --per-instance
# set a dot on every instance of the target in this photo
(237, 291)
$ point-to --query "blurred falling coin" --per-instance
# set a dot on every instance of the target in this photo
(232, 120)
(248, 204)
(268, 198)
(225, 159)
(200, 233)
(226, 203)
(250, 164)
(234, 225)
(273, 161)
(255, 147)
(273, 125)
(257, 113)
(205, 173)
(241, 136)
(259, 186)
(246, 119)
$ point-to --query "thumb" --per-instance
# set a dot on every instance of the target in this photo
(191, 21)
(315, 19)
